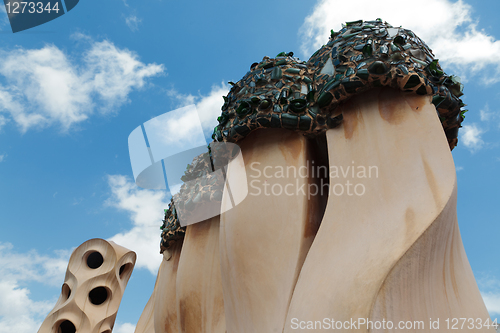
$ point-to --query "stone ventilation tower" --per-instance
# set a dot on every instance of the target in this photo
(366, 238)
(97, 274)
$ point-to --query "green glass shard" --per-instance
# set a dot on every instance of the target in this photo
(434, 70)
(353, 22)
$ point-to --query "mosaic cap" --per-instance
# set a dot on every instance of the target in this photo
(189, 195)
(285, 92)
(172, 231)
(303, 96)
(200, 186)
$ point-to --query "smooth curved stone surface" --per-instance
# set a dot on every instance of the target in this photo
(166, 305)
(97, 274)
(365, 246)
(264, 240)
(198, 282)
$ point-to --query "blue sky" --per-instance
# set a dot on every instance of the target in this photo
(73, 89)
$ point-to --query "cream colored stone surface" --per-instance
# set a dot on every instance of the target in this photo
(188, 290)
(165, 301)
(97, 274)
(198, 283)
(388, 247)
(395, 252)
(264, 240)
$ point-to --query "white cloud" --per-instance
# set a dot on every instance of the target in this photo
(18, 312)
(45, 86)
(485, 113)
(490, 290)
(446, 26)
(145, 208)
(114, 72)
(176, 130)
(208, 107)
(32, 266)
(124, 328)
(182, 99)
(2, 157)
(490, 117)
(3, 120)
(492, 302)
(470, 135)
(133, 22)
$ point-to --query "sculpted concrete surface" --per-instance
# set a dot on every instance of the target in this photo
(97, 274)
